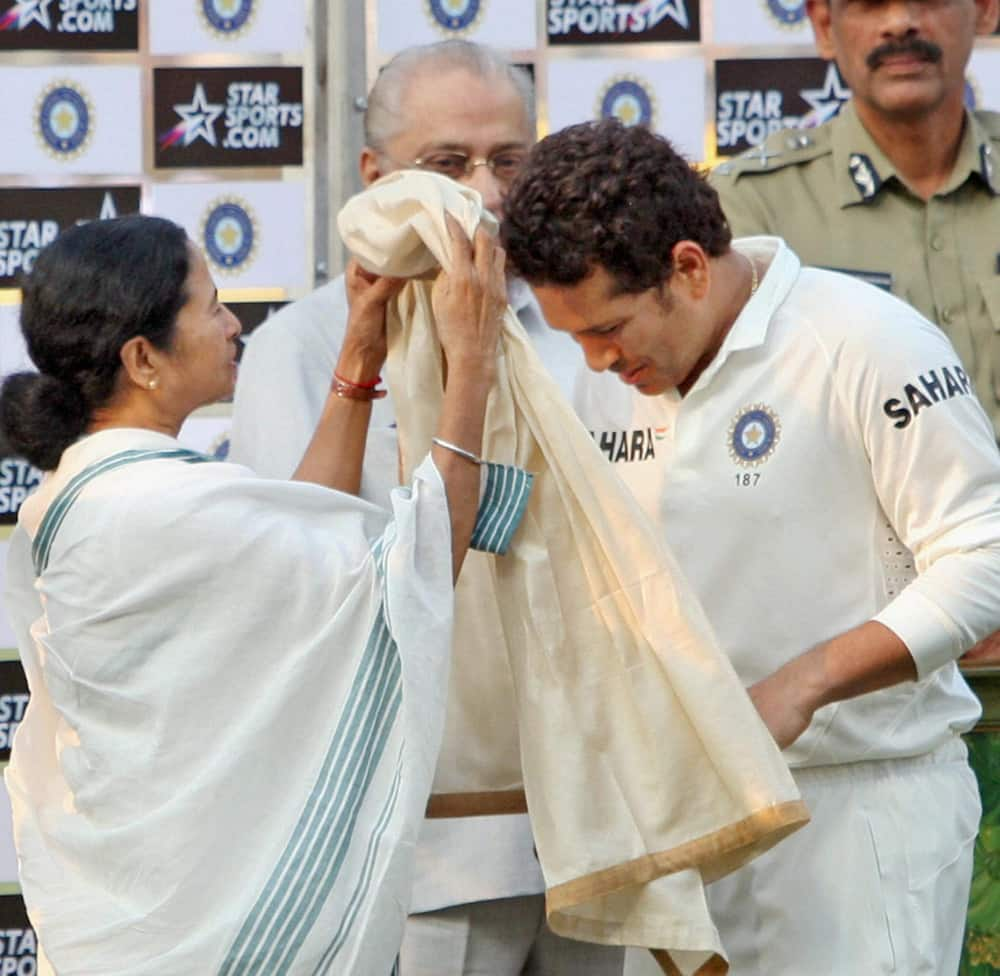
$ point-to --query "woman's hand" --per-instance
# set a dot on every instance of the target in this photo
(469, 301)
(365, 345)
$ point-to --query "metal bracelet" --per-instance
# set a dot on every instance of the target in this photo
(455, 449)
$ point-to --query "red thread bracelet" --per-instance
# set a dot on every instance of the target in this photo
(351, 391)
(361, 386)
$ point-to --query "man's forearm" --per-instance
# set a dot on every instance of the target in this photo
(864, 659)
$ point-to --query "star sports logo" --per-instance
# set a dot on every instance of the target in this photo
(197, 121)
(825, 102)
(25, 13)
(656, 10)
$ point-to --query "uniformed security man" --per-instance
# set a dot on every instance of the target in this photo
(902, 188)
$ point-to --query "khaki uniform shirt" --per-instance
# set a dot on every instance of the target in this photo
(835, 197)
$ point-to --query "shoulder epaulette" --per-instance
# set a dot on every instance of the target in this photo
(787, 147)
(990, 121)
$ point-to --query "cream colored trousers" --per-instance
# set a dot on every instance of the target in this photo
(877, 883)
(503, 937)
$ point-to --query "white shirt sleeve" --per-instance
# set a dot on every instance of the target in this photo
(936, 470)
(284, 377)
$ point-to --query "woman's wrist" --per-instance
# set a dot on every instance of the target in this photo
(359, 367)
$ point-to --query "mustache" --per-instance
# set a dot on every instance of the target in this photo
(925, 50)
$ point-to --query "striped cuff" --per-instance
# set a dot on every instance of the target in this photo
(501, 508)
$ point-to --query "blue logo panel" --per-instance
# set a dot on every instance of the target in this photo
(227, 17)
(628, 101)
(455, 15)
(64, 120)
(229, 235)
(787, 12)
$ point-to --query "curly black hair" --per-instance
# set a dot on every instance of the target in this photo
(603, 194)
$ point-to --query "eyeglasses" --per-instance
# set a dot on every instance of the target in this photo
(503, 165)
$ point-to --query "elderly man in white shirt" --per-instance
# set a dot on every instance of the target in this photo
(462, 110)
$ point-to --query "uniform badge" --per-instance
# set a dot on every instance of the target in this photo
(230, 234)
(753, 435)
(864, 175)
(455, 16)
(788, 13)
(629, 99)
(64, 120)
(988, 169)
(226, 18)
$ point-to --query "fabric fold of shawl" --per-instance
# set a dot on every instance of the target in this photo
(646, 768)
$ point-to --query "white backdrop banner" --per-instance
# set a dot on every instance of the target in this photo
(13, 355)
(668, 96)
(70, 119)
(508, 24)
(200, 26)
(983, 78)
(761, 22)
(253, 233)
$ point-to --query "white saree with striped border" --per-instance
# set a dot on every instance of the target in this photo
(237, 693)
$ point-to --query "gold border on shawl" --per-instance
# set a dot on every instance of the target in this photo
(714, 855)
(485, 804)
(716, 966)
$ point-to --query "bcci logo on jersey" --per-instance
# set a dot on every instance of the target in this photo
(230, 235)
(455, 16)
(753, 435)
(787, 13)
(64, 120)
(226, 18)
(629, 99)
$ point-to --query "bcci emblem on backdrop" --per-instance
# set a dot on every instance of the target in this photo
(64, 120)
(230, 235)
(226, 18)
(788, 13)
(753, 435)
(455, 16)
(629, 99)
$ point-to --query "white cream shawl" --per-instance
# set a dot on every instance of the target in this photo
(642, 755)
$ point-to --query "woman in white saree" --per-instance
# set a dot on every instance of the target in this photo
(237, 684)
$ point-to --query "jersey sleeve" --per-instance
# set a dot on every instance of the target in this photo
(936, 471)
